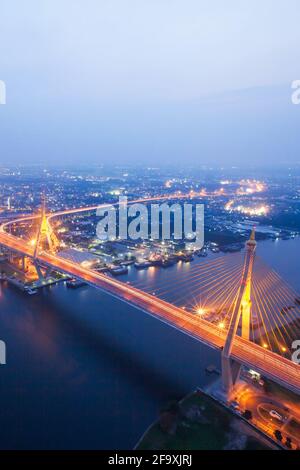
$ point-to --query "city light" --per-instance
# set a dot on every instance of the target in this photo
(247, 210)
(250, 187)
(211, 328)
(200, 311)
(225, 182)
(228, 205)
(150, 231)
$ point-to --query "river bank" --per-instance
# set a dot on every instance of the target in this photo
(200, 423)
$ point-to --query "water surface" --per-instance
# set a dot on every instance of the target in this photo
(85, 370)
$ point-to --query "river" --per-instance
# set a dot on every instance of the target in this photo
(86, 371)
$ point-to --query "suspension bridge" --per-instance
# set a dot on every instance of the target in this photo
(235, 304)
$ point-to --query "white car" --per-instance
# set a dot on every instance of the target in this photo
(276, 415)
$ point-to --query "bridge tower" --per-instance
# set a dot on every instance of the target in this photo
(46, 235)
(241, 311)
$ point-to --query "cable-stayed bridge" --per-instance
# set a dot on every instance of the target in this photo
(243, 308)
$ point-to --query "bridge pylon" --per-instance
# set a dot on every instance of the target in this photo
(241, 311)
(46, 235)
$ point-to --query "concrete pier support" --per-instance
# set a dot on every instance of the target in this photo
(24, 263)
(39, 271)
(241, 311)
(230, 374)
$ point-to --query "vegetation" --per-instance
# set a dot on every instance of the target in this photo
(197, 422)
(247, 414)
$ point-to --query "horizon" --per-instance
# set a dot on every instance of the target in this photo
(106, 82)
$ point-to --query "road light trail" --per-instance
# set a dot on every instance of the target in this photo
(269, 364)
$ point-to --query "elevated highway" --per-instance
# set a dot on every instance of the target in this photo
(269, 364)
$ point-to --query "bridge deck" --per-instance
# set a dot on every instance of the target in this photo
(269, 364)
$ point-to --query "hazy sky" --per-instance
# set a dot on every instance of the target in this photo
(149, 80)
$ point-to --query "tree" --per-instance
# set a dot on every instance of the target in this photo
(288, 442)
(267, 386)
(278, 435)
(247, 414)
(168, 417)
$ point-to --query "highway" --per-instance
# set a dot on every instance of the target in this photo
(269, 364)
(251, 396)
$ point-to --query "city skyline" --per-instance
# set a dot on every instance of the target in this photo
(225, 297)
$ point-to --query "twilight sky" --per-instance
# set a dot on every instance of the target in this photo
(149, 81)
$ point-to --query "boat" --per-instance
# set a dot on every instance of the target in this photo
(212, 369)
(156, 262)
(168, 262)
(118, 270)
(75, 283)
(187, 258)
(156, 259)
(142, 264)
(232, 248)
(127, 262)
(102, 269)
(30, 291)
